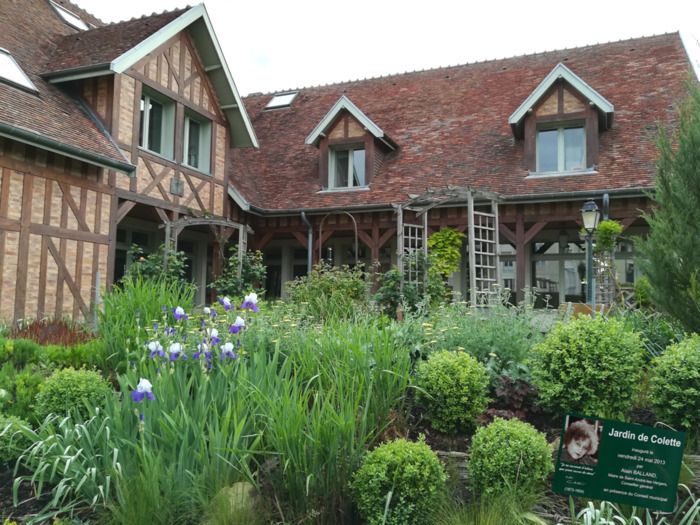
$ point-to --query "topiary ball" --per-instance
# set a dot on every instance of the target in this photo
(71, 389)
(508, 455)
(399, 483)
(452, 389)
(675, 384)
(12, 441)
(590, 366)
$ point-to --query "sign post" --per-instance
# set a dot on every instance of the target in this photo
(609, 460)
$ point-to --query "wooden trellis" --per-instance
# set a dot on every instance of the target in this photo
(482, 234)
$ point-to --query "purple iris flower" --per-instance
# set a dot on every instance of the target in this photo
(227, 351)
(155, 326)
(156, 349)
(226, 302)
(250, 302)
(169, 330)
(202, 348)
(213, 335)
(179, 313)
(144, 390)
(175, 351)
(237, 326)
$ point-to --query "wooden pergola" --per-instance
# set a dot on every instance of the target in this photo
(482, 236)
(221, 228)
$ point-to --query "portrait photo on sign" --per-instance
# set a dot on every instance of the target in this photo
(580, 441)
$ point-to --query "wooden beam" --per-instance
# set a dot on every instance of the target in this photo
(23, 250)
(303, 239)
(60, 262)
(506, 232)
(385, 237)
(124, 209)
(534, 230)
(262, 241)
(161, 213)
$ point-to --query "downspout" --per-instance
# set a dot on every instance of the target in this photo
(309, 243)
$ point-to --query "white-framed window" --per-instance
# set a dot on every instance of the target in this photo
(69, 17)
(197, 143)
(346, 167)
(561, 148)
(157, 129)
(12, 73)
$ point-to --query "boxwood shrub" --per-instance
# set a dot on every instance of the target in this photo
(452, 388)
(675, 385)
(70, 389)
(590, 366)
(12, 441)
(399, 483)
(508, 455)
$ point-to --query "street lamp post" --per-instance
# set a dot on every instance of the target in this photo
(590, 215)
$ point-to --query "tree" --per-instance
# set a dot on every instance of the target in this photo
(670, 254)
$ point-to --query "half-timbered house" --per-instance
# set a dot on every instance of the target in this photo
(110, 135)
(530, 137)
(132, 133)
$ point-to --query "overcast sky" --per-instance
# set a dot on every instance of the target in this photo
(272, 46)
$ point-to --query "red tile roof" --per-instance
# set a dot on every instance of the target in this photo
(102, 45)
(451, 125)
(33, 32)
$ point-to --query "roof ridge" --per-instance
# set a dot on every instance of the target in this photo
(464, 64)
(135, 18)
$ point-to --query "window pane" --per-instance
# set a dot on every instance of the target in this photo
(574, 149)
(193, 143)
(547, 150)
(143, 114)
(10, 70)
(155, 126)
(358, 175)
(340, 176)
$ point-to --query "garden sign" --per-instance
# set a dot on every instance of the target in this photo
(609, 460)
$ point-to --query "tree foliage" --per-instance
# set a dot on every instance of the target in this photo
(670, 254)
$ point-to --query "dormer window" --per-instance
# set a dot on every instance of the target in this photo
(351, 147)
(69, 17)
(561, 148)
(346, 167)
(560, 123)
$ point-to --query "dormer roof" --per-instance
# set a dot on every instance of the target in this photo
(345, 104)
(561, 72)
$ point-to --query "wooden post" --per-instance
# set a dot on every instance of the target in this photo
(496, 238)
(519, 255)
(472, 249)
(399, 242)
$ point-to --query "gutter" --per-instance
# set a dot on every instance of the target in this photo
(43, 142)
(77, 73)
(576, 195)
(509, 199)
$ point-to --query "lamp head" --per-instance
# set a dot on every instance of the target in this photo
(590, 215)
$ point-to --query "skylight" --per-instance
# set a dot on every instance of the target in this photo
(70, 18)
(281, 100)
(11, 72)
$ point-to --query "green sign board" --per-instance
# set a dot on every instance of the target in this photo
(609, 460)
